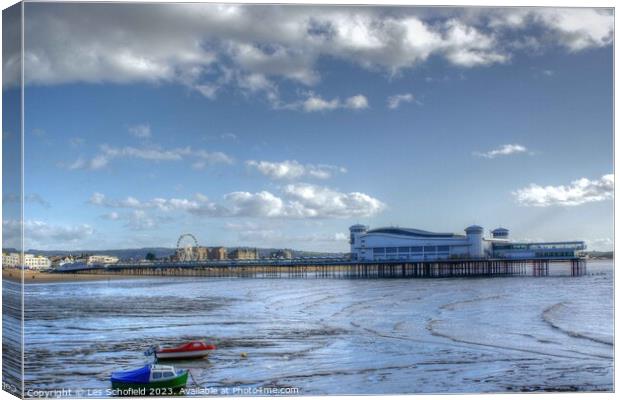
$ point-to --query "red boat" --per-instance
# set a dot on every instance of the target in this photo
(196, 349)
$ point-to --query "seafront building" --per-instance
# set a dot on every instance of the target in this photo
(395, 243)
(102, 259)
(201, 253)
(283, 254)
(243, 254)
(31, 261)
(218, 253)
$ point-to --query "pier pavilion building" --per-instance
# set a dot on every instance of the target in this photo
(395, 243)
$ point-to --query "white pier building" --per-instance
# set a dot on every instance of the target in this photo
(394, 243)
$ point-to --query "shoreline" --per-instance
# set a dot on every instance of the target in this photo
(14, 275)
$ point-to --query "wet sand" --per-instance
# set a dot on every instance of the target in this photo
(15, 275)
(327, 336)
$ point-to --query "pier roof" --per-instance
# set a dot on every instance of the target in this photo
(412, 232)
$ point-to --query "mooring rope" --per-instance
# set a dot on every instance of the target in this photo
(196, 384)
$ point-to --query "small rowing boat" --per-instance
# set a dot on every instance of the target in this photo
(195, 349)
(162, 378)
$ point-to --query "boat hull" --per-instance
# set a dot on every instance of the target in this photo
(182, 355)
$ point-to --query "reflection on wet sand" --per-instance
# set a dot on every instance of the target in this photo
(332, 336)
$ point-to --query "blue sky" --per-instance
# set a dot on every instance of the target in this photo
(282, 126)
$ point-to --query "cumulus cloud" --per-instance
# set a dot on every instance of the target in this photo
(292, 169)
(42, 235)
(203, 43)
(579, 192)
(315, 103)
(575, 29)
(273, 237)
(296, 201)
(395, 101)
(139, 220)
(504, 150)
(107, 153)
(142, 131)
(357, 102)
(199, 204)
(210, 47)
(319, 201)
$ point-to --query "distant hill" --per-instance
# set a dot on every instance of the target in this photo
(120, 253)
(600, 254)
(136, 254)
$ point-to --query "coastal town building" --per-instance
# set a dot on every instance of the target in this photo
(243, 254)
(282, 254)
(59, 261)
(31, 261)
(395, 243)
(102, 259)
(201, 253)
(218, 253)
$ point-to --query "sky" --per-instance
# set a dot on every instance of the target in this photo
(281, 126)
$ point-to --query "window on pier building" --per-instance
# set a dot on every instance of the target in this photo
(379, 250)
(443, 248)
(416, 249)
(390, 249)
(403, 249)
(430, 249)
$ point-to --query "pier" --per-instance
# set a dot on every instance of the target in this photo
(347, 269)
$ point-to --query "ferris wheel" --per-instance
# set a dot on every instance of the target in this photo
(185, 247)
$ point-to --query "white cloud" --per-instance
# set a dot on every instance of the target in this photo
(579, 192)
(212, 157)
(42, 235)
(579, 29)
(575, 29)
(357, 102)
(504, 150)
(296, 201)
(395, 101)
(139, 220)
(314, 103)
(142, 131)
(600, 244)
(292, 169)
(208, 47)
(112, 216)
(107, 153)
(241, 226)
(271, 237)
(259, 204)
(161, 204)
(317, 201)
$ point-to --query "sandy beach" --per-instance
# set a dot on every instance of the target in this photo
(42, 277)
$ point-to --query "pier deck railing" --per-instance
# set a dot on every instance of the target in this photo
(344, 268)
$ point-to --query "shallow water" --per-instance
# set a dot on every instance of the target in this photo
(332, 336)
